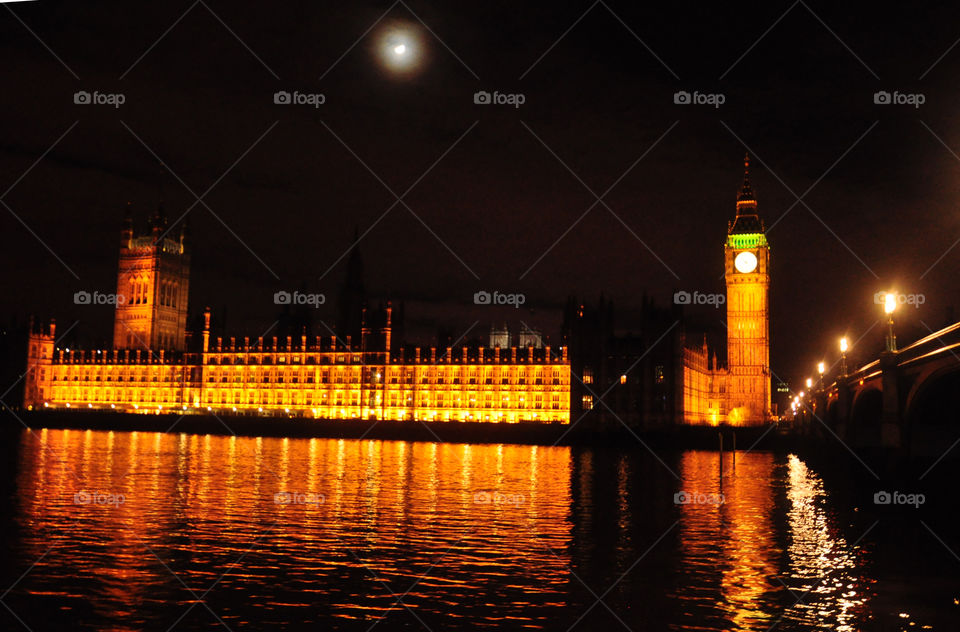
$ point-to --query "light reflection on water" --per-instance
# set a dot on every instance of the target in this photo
(769, 547)
(271, 532)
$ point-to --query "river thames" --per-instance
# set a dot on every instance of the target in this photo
(131, 531)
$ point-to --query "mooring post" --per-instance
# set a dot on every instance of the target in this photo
(720, 436)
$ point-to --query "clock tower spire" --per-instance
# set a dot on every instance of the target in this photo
(747, 259)
(747, 220)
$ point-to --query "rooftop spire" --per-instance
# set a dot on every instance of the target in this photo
(746, 191)
(747, 219)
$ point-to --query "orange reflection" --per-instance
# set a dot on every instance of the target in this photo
(318, 514)
(728, 523)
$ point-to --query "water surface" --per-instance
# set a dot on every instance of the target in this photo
(131, 531)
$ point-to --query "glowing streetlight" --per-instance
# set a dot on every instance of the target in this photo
(844, 345)
(821, 369)
(809, 384)
(889, 302)
(889, 306)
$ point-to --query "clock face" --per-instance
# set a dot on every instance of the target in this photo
(745, 262)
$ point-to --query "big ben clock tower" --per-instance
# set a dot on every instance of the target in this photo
(747, 264)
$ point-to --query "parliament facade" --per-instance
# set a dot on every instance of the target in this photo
(153, 368)
(647, 379)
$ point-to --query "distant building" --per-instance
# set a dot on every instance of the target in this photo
(530, 337)
(628, 380)
(499, 337)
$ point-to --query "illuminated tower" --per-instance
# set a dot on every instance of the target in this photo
(153, 281)
(747, 264)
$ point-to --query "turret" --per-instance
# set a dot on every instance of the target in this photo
(206, 329)
(185, 234)
(158, 224)
(126, 231)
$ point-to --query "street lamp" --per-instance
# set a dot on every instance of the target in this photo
(809, 384)
(889, 305)
(844, 345)
(821, 368)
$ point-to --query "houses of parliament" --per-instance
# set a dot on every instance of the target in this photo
(646, 380)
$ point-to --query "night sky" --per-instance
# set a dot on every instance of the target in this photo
(494, 187)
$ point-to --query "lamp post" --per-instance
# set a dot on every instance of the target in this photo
(889, 305)
(821, 368)
(809, 385)
(844, 345)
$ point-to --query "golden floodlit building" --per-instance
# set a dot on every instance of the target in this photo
(739, 394)
(152, 368)
(648, 379)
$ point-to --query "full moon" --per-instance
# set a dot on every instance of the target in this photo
(399, 48)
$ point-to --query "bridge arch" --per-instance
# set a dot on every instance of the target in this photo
(832, 418)
(932, 411)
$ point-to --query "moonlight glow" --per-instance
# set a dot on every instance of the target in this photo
(399, 48)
